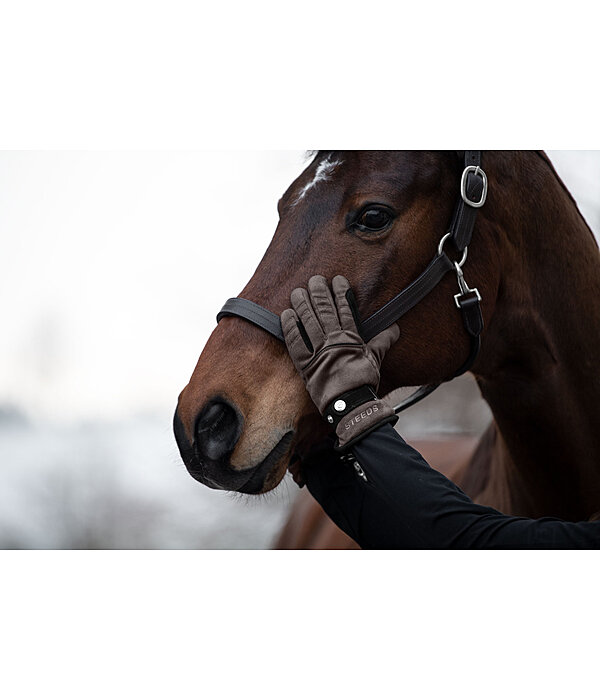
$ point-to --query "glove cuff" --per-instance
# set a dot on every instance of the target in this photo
(345, 403)
(356, 413)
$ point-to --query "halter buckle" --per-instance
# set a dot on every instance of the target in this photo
(463, 186)
(464, 287)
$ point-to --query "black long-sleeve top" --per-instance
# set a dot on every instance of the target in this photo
(400, 502)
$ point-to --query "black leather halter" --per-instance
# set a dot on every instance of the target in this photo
(473, 191)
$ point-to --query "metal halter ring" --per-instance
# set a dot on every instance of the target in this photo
(463, 186)
(441, 249)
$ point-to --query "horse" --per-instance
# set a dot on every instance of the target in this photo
(535, 263)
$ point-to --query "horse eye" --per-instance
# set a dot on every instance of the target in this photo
(374, 219)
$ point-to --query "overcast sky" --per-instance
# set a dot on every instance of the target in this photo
(114, 265)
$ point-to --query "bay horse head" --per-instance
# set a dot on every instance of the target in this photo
(376, 217)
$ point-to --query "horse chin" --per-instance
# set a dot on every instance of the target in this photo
(286, 455)
(266, 475)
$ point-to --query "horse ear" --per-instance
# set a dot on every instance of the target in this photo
(351, 299)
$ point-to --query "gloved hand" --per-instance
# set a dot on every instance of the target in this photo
(340, 370)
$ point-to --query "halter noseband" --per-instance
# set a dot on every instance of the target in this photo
(473, 193)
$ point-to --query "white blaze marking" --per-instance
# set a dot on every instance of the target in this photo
(323, 172)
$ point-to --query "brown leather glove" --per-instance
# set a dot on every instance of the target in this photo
(340, 370)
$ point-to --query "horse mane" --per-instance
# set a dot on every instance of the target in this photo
(544, 156)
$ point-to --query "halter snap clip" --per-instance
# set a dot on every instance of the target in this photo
(464, 287)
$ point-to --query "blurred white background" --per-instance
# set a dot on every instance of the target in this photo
(114, 266)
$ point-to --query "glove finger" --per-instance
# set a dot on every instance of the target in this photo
(341, 287)
(302, 306)
(382, 342)
(323, 304)
(299, 352)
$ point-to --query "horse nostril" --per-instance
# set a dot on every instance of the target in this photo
(218, 428)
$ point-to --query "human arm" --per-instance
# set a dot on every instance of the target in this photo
(402, 503)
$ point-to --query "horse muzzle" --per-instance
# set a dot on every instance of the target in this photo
(207, 458)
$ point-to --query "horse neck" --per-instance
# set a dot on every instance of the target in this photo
(538, 366)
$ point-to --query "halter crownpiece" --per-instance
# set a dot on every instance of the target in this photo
(473, 193)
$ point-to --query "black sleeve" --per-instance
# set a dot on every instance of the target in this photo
(400, 502)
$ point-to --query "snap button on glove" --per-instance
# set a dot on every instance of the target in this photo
(340, 370)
